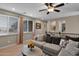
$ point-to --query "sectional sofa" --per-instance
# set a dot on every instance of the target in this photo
(49, 49)
(72, 48)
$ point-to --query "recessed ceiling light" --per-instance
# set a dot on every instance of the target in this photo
(13, 9)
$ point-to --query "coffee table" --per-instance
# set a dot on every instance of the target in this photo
(36, 51)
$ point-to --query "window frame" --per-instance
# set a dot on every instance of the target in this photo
(26, 18)
(8, 33)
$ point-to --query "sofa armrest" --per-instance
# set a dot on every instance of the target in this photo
(52, 48)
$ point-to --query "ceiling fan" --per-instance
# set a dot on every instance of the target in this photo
(51, 7)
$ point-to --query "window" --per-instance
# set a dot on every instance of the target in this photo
(25, 26)
(3, 24)
(28, 25)
(8, 24)
(13, 25)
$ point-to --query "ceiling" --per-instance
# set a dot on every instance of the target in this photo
(32, 9)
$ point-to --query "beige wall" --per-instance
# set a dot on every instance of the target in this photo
(72, 24)
(43, 27)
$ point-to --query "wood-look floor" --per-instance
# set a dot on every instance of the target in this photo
(13, 50)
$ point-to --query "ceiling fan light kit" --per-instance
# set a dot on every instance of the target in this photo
(51, 7)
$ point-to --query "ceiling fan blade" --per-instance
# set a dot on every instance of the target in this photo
(59, 5)
(47, 13)
(51, 4)
(42, 10)
(46, 4)
(56, 10)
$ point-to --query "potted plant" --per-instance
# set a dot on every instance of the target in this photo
(30, 44)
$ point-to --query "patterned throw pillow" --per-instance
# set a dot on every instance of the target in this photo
(63, 43)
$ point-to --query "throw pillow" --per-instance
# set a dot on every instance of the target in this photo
(56, 40)
(63, 43)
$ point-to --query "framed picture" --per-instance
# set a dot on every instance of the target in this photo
(38, 25)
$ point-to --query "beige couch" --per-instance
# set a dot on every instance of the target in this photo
(72, 49)
(50, 49)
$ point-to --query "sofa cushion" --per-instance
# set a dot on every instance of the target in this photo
(64, 52)
(40, 37)
(48, 38)
(70, 50)
(72, 47)
(56, 40)
(73, 50)
(72, 44)
(52, 48)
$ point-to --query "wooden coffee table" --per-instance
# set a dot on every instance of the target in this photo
(35, 51)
